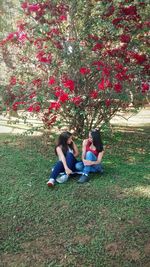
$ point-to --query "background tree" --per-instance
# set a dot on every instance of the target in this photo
(81, 60)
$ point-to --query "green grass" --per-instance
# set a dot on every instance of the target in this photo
(104, 222)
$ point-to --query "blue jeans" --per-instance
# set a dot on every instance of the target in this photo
(92, 168)
(59, 167)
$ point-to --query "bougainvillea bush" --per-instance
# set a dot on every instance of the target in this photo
(78, 62)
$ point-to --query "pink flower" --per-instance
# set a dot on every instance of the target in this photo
(13, 80)
(84, 70)
(33, 7)
(22, 37)
(24, 5)
(63, 18)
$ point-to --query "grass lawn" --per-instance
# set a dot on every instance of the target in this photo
(105, 222)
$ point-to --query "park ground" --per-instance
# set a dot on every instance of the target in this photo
(102, 223)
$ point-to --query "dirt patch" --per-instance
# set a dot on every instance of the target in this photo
(133, 255)
(114, 248)
(82, 239)
(147, 249)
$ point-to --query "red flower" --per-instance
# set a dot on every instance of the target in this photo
(51, 80)
(37, 82)
(110, 11)
(69, 84)
(106, 71)
(54, 105)
(130, 10)
(125, 38)
(94, 37)
(30, 109)
(122, 75)
(43, 57)
(116, 21)
(108, 83)
(77, 100)
(117, 87)
(34, 108)
(54, 31)
(99, 64)
(32, 95)
(57, 44)
(98, 46)
(107, 102)
(145, 87)
(139, 58)
(63, 97)
(84, 71)
(94, 94)
(118, 66)
(101, 85)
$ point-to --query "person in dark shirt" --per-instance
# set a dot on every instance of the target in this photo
(92, 153)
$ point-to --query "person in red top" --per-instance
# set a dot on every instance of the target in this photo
(92, 153)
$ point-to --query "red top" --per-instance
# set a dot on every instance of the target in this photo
(94, 151)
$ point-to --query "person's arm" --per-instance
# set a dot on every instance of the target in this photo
(90, 162)
(62, 158)
(84, 149)
(76, 152)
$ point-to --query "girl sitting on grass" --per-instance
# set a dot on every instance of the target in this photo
(92, 153)
(67, 151)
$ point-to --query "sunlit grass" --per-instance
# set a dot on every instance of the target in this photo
(102, 223)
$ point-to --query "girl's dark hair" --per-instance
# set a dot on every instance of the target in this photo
(97, 141)
(62, 141)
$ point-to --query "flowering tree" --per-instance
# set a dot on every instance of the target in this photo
(79, 61)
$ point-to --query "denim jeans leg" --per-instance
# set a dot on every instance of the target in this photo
(71, 161)
(79, 166)
(93, 168)
(58, 168)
